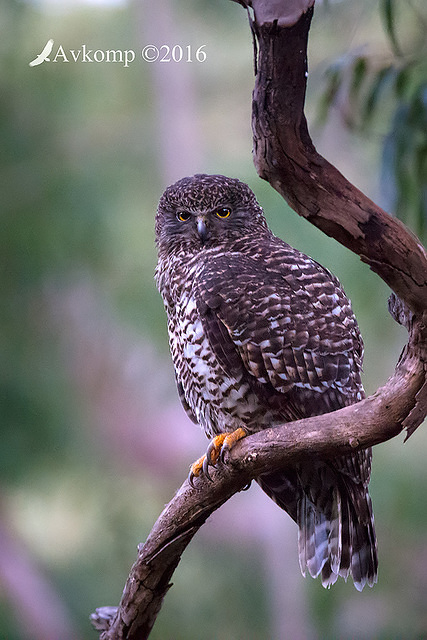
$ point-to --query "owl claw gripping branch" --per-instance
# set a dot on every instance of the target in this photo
(260, 335)
(216, 451)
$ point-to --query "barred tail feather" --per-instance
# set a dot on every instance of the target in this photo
(334, 538)
(313, 538)
(335, 534)
(364, 561)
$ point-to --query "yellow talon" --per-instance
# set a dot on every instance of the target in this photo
(216, 450)
(231, 439)
(196, 470)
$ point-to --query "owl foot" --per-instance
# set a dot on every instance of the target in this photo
(217, 449)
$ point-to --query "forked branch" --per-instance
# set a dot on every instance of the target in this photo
(285, 156)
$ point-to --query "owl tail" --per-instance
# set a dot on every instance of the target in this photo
(336, 530)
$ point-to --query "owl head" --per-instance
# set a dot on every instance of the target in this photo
(203, 211)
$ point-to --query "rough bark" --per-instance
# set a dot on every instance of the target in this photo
(285, 156)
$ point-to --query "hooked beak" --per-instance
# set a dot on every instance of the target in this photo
(202, 229)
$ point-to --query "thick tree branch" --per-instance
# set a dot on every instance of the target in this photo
(284, 155)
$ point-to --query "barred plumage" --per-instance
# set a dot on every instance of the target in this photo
(261, 334)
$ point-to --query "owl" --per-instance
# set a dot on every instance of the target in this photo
(260, 335)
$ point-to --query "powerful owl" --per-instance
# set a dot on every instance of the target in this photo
(260, 335)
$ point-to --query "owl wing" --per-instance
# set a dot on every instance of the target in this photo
(287, 322)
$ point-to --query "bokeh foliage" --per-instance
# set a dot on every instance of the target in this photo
(386, 92)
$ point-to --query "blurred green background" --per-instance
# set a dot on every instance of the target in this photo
(93, 440)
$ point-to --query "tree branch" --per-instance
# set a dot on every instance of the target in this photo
(285, 155)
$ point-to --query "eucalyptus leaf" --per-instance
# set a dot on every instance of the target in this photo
(388, 14)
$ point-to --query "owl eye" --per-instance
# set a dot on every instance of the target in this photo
(223, 213)
(183, 216)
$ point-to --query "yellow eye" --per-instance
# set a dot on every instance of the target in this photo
(183, 216)
(223, 213)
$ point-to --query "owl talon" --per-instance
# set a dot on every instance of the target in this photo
(216, 451)
(196, 470)
(205, 468)
(190, 479)
(213, 451)
(224, 451)
(230, 440)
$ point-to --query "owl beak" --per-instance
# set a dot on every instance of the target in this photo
(202, 229)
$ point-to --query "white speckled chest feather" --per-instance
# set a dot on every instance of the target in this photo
(216, 399)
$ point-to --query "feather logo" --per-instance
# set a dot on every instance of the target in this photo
(44, 55)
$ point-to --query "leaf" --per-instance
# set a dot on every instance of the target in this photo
(404, 167)
(381, 79)
(360, 68)
(387, 10)
(334, 79)
(402, 81)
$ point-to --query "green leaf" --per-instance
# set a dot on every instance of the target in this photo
(360, 68)
(379, 84)
(387, 10)
(404, 169)
(402, 81)
(333, 83)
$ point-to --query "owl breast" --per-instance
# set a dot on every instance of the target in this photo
(218, 401)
